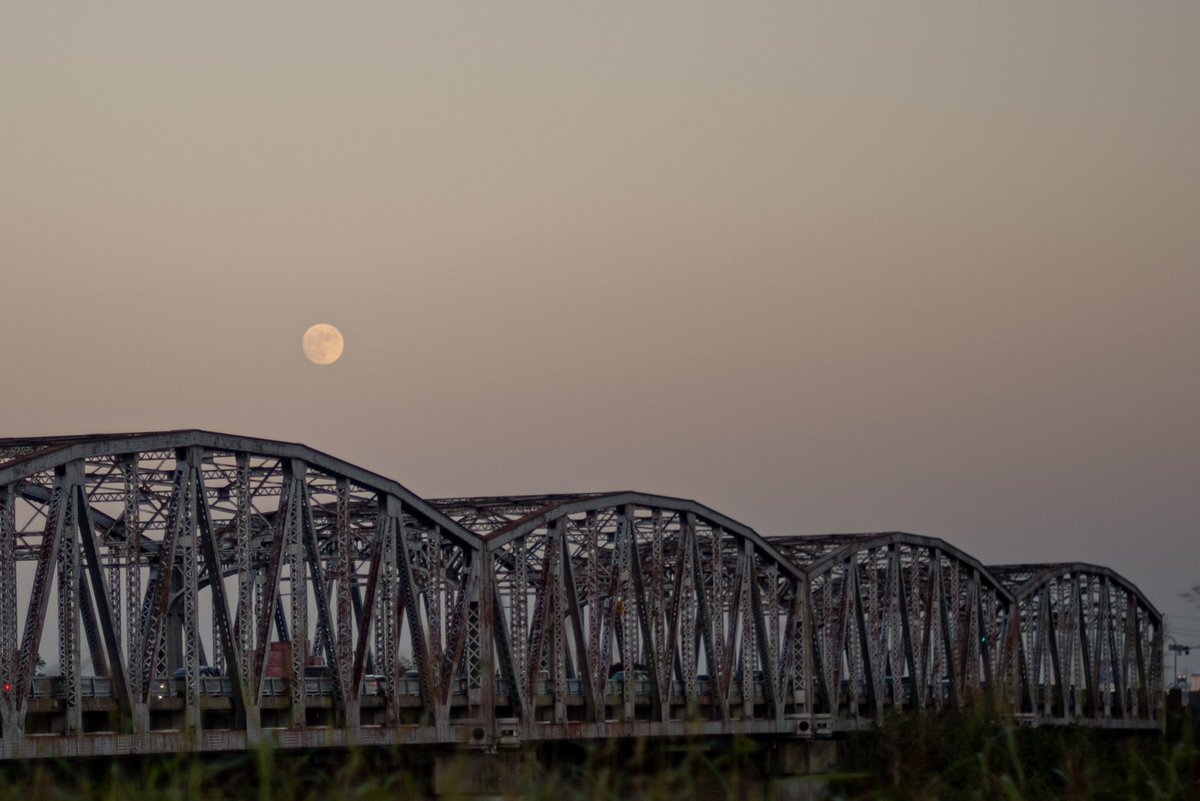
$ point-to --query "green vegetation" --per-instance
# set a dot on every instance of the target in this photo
(565, 773)
(973, 754)
(265, 775)
(954, 755)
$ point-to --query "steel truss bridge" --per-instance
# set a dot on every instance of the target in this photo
(189, 590)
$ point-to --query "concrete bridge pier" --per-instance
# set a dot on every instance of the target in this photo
(798, 757)
(476, 772)
(775, 769)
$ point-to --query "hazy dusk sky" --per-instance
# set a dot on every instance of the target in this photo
(922, 266)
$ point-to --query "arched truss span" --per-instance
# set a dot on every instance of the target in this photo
(192, 553)
(899, 620)
(627, 606)
(1090, 644)
(191, 590)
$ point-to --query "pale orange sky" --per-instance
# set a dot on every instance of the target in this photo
(823, 267)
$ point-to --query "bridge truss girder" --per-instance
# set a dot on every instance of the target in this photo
(901, 621)
(626, 607)
(194, 553)
(335, 607)
(1090, 645)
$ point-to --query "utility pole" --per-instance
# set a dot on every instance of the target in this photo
(1177, 648)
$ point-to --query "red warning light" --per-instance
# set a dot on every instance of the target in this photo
(7, 686)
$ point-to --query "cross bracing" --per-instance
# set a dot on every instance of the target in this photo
(1089, 644)
(901, 621)
(195, 590)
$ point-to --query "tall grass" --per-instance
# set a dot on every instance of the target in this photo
(964, 755)
(973, 754)
(595, 772)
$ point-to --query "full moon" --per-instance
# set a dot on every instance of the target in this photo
(323, 344)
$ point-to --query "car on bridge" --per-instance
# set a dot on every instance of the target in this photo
(206, 671)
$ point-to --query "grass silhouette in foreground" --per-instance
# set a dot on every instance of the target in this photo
(973, 754)
(956, 755)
